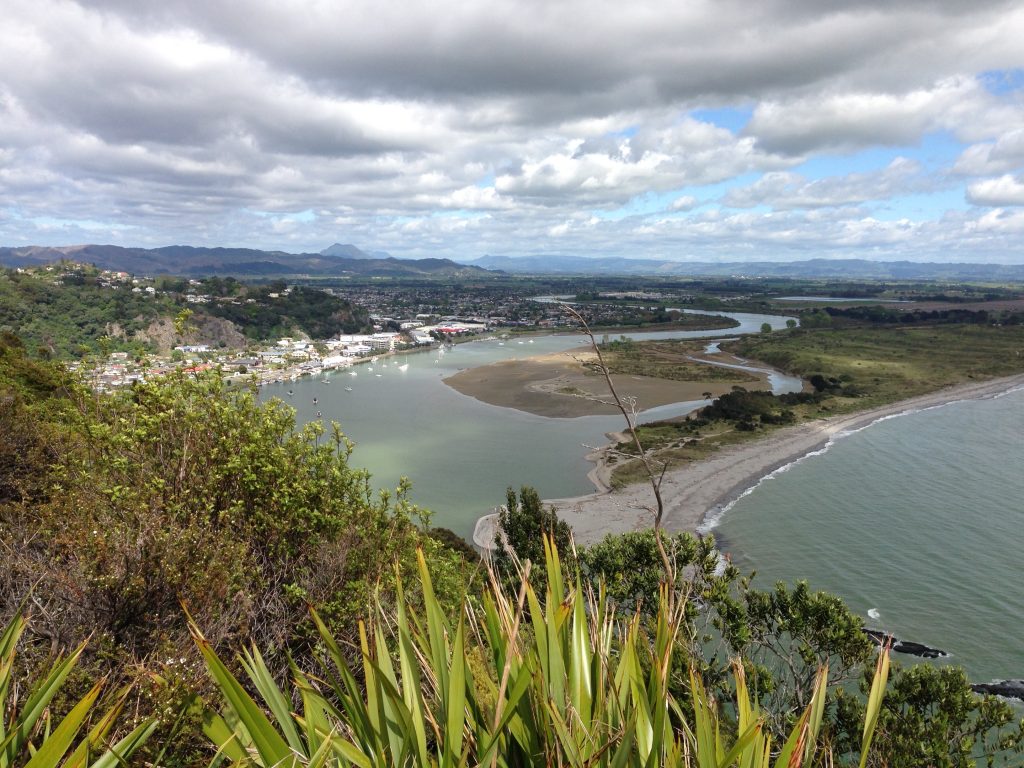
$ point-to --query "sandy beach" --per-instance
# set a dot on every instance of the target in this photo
(696, 491)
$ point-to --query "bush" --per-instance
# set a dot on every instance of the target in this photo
(119, 508)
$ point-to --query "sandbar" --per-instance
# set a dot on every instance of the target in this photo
(694, 491)
(558, 385)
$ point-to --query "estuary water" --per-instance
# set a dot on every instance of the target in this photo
(917, 521)
(461, 454)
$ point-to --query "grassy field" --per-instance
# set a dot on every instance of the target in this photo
(884, 364)
(865, 367)
(666, 360)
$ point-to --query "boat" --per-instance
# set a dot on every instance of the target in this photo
(378, 375)
(290, 393)
(352, 373)
(403, 367)
(348, 389)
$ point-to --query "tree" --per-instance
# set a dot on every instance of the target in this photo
(766, 327)
(791, 323)
(523, 523)
(630, 567)
(931, 717)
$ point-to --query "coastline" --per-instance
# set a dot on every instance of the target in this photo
(696, 494)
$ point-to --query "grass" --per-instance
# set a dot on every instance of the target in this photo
(666, 360)
(886, 363)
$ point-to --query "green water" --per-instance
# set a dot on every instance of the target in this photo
(461, 454)
(918, 520)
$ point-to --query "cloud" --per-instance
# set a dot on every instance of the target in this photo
(784, 190)
(446, 126)
(1006, 190)
(609, 171)
(854, 120)
(684, 203)
(1004, 154)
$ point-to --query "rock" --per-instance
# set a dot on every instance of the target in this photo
(1011, 689)
(904, 646)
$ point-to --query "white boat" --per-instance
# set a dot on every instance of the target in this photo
(378, 375)
(403, 367)
(348, 389)
(352, 373)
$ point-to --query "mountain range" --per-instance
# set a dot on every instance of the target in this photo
(860, 269)
(342, 259)
(336, 261)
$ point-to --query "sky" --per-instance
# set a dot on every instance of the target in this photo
(688, 130)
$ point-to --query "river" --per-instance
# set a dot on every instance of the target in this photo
(461, 454)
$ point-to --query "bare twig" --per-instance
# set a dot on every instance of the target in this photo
(628, 409)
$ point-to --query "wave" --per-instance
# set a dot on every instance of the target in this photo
(714, 516)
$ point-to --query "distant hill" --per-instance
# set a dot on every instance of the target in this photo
(190, 261)
(349, 251)
(861, 269)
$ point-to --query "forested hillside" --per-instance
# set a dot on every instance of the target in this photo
(66, 309)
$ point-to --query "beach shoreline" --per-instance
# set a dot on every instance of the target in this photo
(696, 494)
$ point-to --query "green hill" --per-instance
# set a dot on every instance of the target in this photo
(65, 309)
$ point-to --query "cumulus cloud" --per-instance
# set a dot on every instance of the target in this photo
(684, 203)
(1006, 190)
(782, 190)
(464, 128)
(1004, 154)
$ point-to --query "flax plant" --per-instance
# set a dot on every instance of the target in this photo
(513, 681)
(29, 736)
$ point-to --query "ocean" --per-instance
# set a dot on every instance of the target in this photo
(917, 521)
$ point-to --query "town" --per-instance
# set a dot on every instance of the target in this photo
(131, 327)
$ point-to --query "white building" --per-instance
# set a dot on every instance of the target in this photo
(384, 342)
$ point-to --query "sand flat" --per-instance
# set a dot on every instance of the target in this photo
(558, 386)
